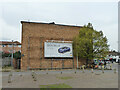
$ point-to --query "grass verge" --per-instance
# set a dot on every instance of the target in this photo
(64, 78)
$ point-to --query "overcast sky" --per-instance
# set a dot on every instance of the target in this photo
(103, 16)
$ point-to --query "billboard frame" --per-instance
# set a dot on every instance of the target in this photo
(58, 41)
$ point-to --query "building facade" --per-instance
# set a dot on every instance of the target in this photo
(113, 56)
(34, 36)
(8, 47)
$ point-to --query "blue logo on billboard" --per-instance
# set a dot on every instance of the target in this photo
(63, 49)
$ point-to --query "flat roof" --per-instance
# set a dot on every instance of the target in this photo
(51, 23)
(9, 43)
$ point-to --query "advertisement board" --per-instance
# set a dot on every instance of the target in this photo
(53, 49)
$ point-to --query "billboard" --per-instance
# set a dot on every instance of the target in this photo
(53, 49)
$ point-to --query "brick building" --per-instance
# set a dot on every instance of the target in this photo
(7, 46)
(35, 34)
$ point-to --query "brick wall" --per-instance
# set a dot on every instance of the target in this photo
(8, 49)
(35, 34)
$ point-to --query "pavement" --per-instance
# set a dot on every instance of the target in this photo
(108, 79)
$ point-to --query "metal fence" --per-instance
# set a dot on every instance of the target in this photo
(6, 61)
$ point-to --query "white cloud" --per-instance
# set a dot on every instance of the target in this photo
(59, 0)
(103, 16)
(9, 32)
(112, 33)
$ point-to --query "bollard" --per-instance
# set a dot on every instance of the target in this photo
(115, 71)
(83, 69)
(92, 71)
(103, 69)
(33, 76)
(32, 73)
(20, 75)
(9, 78)
(47, 71)
(75, 71)
(10, 74)
(35, 79)
(110, 66)
(61, 72)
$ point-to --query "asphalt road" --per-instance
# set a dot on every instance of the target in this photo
(108, 79)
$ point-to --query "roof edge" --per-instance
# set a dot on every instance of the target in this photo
(53, 23)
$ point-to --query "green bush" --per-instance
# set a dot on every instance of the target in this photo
(17, 55)
(6, 54)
